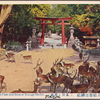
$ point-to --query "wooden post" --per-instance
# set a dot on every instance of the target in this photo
(43, 30)
(63, 33)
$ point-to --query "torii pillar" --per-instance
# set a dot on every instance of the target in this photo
(43, 30)
(63, 33)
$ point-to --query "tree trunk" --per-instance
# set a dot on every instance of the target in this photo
(5, 11)
(1, 31)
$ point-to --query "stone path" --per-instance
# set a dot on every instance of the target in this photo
(54, 40)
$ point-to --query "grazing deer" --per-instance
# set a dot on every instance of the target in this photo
(82, 88)
(20, 91)
(26, 57)
(10, 55)
(39, 70)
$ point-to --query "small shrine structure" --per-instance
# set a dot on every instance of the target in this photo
(91, 41)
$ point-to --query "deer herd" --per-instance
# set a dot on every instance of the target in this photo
(60, 76)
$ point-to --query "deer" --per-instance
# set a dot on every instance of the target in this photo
(56, 80)
(81, 88)
(84, 67)
(69, 81)
(43, 79)
(92, 69)
(66, 66)
(89, 76)
(60, 80)
(2, 82)
(96, 86)
(56, 70)
(20, 91)
(39, 70)
(10, 55)
(98, 69)
(26, 57)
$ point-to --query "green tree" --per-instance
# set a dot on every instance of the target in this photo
(4, 14)
(21, 20)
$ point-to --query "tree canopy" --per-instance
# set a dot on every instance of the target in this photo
(86, 19)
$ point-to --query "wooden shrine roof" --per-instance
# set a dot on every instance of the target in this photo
(91, 37)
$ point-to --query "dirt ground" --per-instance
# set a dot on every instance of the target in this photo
(21, 75)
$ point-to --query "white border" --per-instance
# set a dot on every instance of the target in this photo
(49, 2)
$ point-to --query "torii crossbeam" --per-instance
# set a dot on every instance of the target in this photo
(53, 23)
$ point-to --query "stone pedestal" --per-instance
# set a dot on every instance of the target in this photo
(64, 46)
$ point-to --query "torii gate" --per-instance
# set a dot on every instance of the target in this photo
(53, 23)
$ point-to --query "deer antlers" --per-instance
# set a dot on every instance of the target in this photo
(40, 62)
(54, 63)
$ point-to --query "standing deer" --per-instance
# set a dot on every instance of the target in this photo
(56, 80)
(65, 80)
(56, 70)
(43, 79)
(26, 57)
(66, 66)
(10, 55)
(69, 81)
(39, 70)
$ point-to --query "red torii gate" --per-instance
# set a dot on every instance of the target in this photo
(53, 23)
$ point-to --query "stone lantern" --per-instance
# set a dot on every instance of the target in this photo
(71, 39)
(71, 32)
(34, 39)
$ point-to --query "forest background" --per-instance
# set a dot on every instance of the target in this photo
(18, 26)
